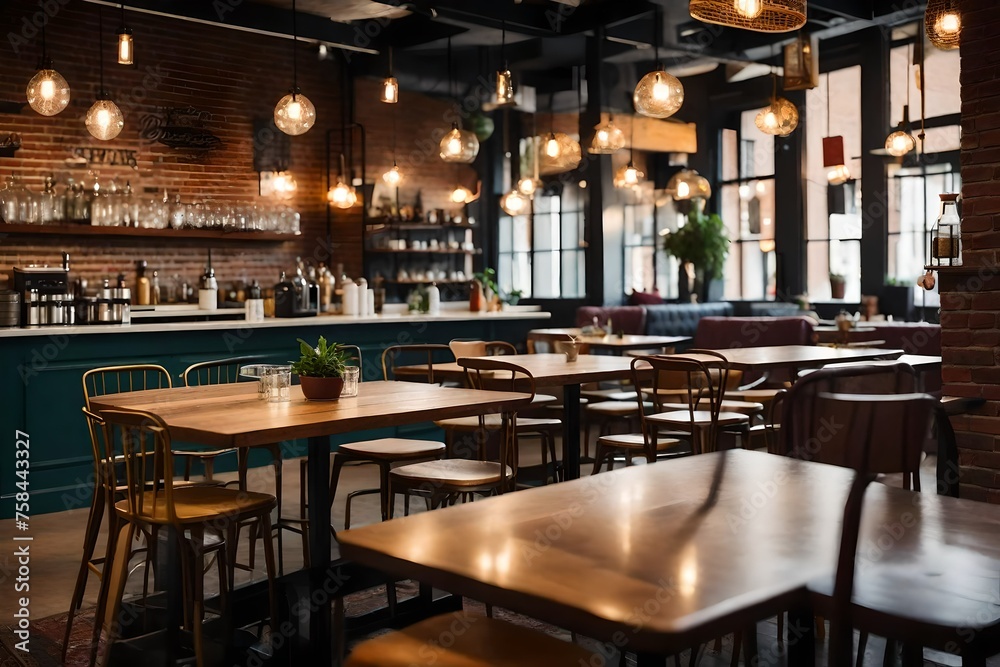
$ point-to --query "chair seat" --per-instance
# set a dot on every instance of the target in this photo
(543, 399)
(608, 395)
(700, 418)
(198, 504)
(452, 472)
(617, 408)
(635, 441)
(393, 449)
(524, 424)
(753, 395)
(202, 453)
(742, 407)
(474, 641)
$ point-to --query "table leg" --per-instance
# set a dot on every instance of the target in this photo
(319, 546)
(175, 601)
(801, 637)
(571, 431)
(947, 460)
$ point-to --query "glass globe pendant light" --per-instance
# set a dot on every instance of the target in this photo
(126, 45)
(390, 87)
(104, 119)
(514, 203)
(608, 138)
(505, 81)
(659, 94)
(394, 175)
(901, 141)
(689, 184)
(342, 194)
(628, 176)
(47, 91)
(294, 114)
(943, 24)
(780, 117)
(458, 145)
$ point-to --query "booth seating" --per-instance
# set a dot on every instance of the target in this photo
(667, 319)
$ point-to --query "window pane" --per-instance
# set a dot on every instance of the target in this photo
(730, 155)
(546, 275)
(573, 274)
(845, 259)
(818, 261)
(546, 231)
(756, 148)
(570, 230)
(505, 234)
(754, 278)
(942, 139)
(522, 234)
(845, 226)
(941, 76)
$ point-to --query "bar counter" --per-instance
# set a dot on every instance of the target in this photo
(41, 369)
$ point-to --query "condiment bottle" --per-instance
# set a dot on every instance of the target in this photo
(253, 307)
(141, 284)
(433, 300)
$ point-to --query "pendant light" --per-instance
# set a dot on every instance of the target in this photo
(514, 203)
(608, 138)
(901, 141)
(47, 91)
(390, 87)
(837, 172)
(780, 117)
(294, 114)
(689, 184)
(659, 94)
(505, 82)
(629, 176)
(756, 15)
(943, 24)
(126, 47)
(104, 119)
(393, 177)
(458, 145)
(529, 184)
(342, 195)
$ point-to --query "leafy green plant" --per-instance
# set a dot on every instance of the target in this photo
(837, 277)
(326, 360)
(488, 278)
(703, 242)
(513, 297)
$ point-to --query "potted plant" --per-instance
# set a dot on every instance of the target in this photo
(321, 370)
(513, 297)
(701, 246)
(838, 285)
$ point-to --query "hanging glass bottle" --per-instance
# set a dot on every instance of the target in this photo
(946, 236)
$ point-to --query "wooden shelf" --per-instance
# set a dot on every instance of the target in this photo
(142, 232)
(428, 282)
(416, 226)
(409, 251)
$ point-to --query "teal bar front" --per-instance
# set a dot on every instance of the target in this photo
(41, 370)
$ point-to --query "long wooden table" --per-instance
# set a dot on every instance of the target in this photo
(232, 416)
(798, 356)
(614, 342)
(660, 557)
(552, 370)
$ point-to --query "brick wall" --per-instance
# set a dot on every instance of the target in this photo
(236, 77)
(970, 297)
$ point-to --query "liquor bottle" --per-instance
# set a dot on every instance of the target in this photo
(154, 289)
(142, 287)
(47, 202)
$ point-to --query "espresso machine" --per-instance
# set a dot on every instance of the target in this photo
(45, 294)
(297, 297)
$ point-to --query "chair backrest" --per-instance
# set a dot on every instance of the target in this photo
(481, 348)
(494, 374)
(805, 435)
(879, 428)
(682, 378)
(117, 380)
(135, 449)
(542, 342)
(218, 371)
(413, 363)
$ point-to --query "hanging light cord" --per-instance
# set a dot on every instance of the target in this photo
(829, 132)
(656, 36)
(503, 43)
(393, 111)
(923, 99)
(100, 44)
(295, 54)
(44, 64)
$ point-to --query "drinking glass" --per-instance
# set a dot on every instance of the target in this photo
(351, 376)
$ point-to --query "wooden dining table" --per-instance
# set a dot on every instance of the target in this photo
(616, 343)
(794, 357)
(553, 370)
(232, 415)
(658, 558)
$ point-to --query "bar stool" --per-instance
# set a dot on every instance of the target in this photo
(139, 442)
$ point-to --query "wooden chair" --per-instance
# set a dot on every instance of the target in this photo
(450, 479)
(383, 452)
(398, 362)
(483, 642)
(139, 443)
(700, 412)
(481, 348)
(98, 382)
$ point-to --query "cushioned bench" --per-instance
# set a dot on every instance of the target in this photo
(681, 319)
(727, 332)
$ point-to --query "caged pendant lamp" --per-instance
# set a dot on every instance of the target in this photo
(47, 91)
(659, 94)
(943, 24)
(104, 119)
(457, 145)
(780, 117)
(504, 93)
(756, 15)
(294, 114)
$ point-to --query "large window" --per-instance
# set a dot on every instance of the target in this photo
(833, 212)
(648, 268)
(543, 253)
(747, 209)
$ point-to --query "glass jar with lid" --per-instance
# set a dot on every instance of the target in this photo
(946, 236)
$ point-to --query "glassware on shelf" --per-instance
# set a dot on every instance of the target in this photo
(946, 236)
(47, 203)
(9, 212)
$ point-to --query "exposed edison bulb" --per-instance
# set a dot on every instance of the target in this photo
(838, 175)
(505, 87)
(459, 146)
(748, 9)
(949, 23)
(780, 118)
(294, 114)
(126, 47)
(628, 177)
(608, 139)
(527, 186)
(393, 176)
(552, 148)
(683, 190)
(659, 94)
(48, 92)
(390, 90)
(514, 203)
(342, 195)
(105, 120)
(899, 143)
(461, 195)
(454, 146)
